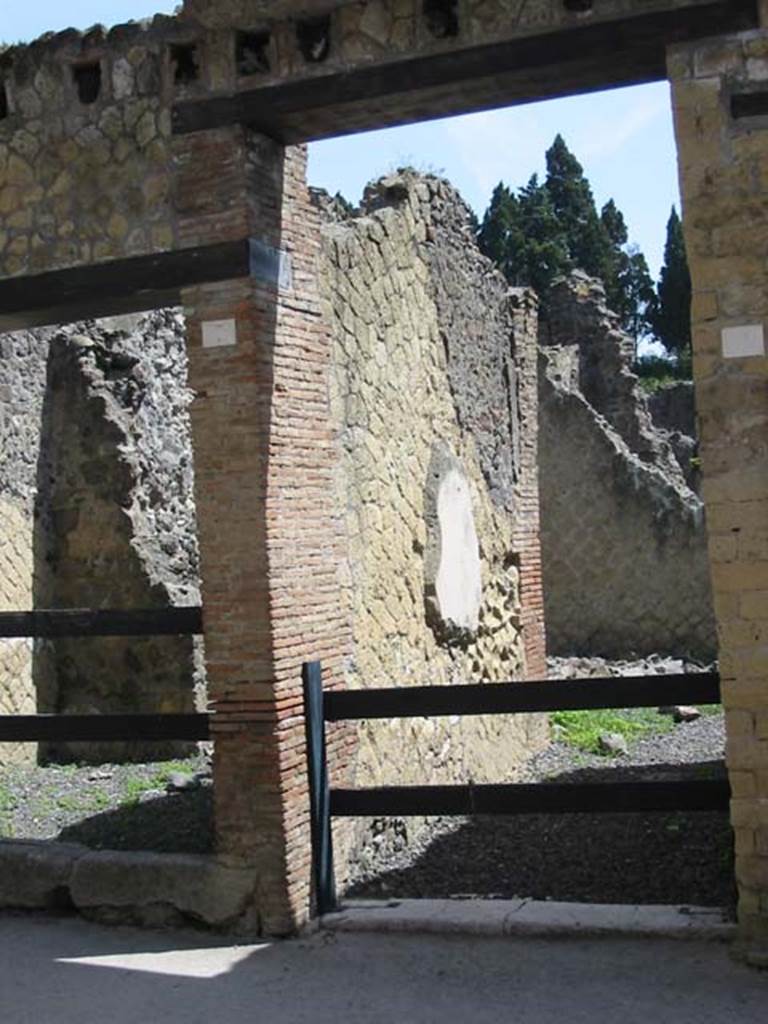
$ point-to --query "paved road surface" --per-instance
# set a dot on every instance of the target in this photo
(67, 971)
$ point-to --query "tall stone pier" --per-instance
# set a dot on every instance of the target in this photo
(720, 98)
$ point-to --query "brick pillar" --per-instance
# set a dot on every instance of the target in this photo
(268, 531)
(724, 178)
(527, 539)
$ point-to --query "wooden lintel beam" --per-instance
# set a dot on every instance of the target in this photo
(578, 59)
(117, 286)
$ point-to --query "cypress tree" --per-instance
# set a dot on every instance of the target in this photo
(539, 242)
(550, 228)
(498, 224)
(628, 285)
(671, 318)
(574, 206)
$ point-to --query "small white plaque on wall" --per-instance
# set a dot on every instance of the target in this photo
(219, 333)
(742, 342)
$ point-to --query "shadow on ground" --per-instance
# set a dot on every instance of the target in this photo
(177, 823)
(660, 857)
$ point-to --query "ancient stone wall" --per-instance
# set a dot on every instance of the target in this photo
(316, 37)
(433, 365)
(719, 91)
(623, 535)
(84, 172)
(22, 387)
(99, 513)
(89, 168)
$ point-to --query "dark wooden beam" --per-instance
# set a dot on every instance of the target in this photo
(118, 286)
(102, 622)
(85, 728)
(535, 798)
(512, 698)
(579, 59)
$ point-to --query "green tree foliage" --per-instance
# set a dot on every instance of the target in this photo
(523, 236)
(498, 224)
(574, 205)
(549, 228)
(671, 315)
(628, 285)
(538, 243)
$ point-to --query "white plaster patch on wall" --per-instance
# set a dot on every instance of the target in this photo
(219, 333)
(458, 585)
(742, 342)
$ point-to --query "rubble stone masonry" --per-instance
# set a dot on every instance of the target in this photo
(723, 160)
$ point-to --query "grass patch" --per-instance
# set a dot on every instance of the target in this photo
(582, 729)
(133, 789)
(710, 710)
(82, 803)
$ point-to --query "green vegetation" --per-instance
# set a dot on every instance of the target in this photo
(670, 315)
(582, 729)
(83, 803)
(134, 789)
(550, 228)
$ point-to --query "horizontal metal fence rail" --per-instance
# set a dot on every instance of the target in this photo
(484, 699)
(533, 798)
(101, 622)
(514, 698)
(85, 728)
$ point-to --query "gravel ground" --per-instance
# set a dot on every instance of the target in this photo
(164, 806)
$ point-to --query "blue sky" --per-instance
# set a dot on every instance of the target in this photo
(623, 138)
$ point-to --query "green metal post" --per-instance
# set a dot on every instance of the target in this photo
(319, 790)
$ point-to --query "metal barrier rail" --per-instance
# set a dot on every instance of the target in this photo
(102, 622)
(483, 699)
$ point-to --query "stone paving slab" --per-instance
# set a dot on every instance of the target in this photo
(531, 918)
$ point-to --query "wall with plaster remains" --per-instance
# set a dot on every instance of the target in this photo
(623, 534)
(432, 392)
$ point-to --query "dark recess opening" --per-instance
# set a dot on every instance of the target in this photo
(314, 39)
(186, 66)
(441, 17)
(578, 6)
(3, 102)
(88, 81)
(749, 104)
(252, 53)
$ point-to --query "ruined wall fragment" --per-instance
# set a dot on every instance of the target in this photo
(623, 535)
(98, 475)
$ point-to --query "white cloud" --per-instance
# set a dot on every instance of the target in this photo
(606, 140)
(498, 145)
